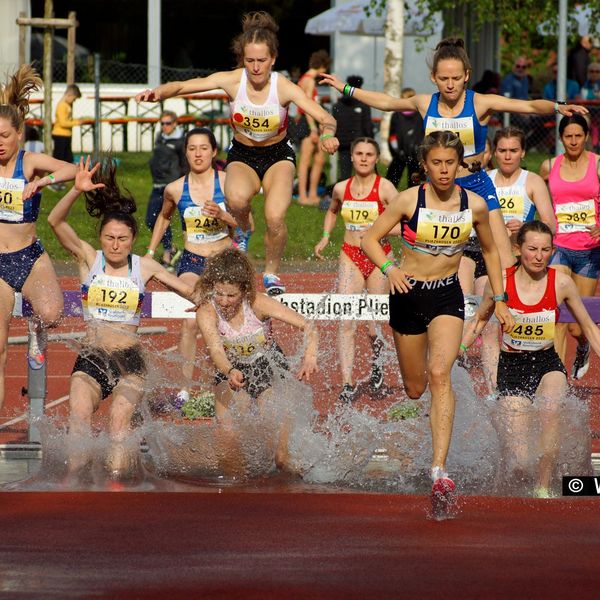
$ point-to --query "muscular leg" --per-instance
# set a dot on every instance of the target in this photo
(315, 175)
(444, 335)
(552, 390)
(277, 184)
(586, 287)
(411, 351)
(43, 291)
(307, 149)
(350, 281)
(188, 337)
(241, 185)
(490, 343)
(7, 302)
(466, 275)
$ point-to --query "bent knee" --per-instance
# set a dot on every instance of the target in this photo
(415, 389)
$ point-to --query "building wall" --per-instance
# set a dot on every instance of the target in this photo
(9, 33)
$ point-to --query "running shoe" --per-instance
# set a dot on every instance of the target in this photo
(348, 393)
(241, 239)
(273, 285)
(581, 364)
(443, 498)
(376, 380)
(38, 343)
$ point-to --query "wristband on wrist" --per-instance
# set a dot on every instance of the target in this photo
(500, 297)
(51, 177)
(385, 265)
(351, 92)
(463, 348)
(346, 89)
(150, 252)
(228, 372)
(326, 234)
(327, 136)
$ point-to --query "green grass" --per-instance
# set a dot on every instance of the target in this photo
(305, 224)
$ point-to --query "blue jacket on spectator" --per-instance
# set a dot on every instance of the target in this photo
(516, 87)
(550, 90)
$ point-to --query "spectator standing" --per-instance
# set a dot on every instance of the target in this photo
(354, 120)
(579, 59)
(62, 132)
(167, 164)
(549, 92)
(406, 133)
(516, 84)
(488, 84)
(591, 86)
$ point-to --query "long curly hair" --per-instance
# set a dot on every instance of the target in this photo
(110, 203)
(14, 95)
(228, 266)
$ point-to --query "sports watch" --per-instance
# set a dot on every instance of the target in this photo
(500, 297)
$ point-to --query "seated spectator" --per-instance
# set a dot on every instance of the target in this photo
(591, 86)
(516, 84)
(488, 84)
(32, 140)
(550, 88)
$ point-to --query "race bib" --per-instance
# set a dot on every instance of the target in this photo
(113, 298)
(257, 122)
(201, 228)
(11, 199)
(576, 216)
(532, 331)
(359, 215)
(512, 207)
(442, 229)
(463, 127)
(247, 346)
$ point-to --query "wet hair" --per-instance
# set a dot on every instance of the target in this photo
(574, 119)
(536, 227)
(451, 49)
(509, 132)
(228, 266)
(110, 203)
(365, 140)
(258, 27)
(14, 95)
(319, 59)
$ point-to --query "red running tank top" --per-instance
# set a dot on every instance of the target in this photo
(360, 214)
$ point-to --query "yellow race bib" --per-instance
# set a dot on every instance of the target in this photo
(113, 298)
(201, 228)
(247, 346)
(359, 214)
(442, 229)
(11, 199)
(512, 207)
(532, 332)
(576, 216)
(463, 127)
(257, 122)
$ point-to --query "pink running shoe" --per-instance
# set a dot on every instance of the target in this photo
(443, 499)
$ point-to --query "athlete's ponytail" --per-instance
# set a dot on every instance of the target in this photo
(451, 49)
(258, 27)
(14, 95)
(110, 203)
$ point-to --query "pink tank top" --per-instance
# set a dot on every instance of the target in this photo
(575, 206)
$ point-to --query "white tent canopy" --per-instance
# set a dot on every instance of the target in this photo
(351, 17)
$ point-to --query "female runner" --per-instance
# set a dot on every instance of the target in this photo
(113, 280)
(261, 153)
(361, 199)
(522, 194)
(235, 322)
(24, 264)
(456, 108)
(205, 222)
(529, 367)
(574, 182)
(308, 133)
(426, 301)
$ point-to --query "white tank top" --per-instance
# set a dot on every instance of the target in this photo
(258, 122)
(515, 203)
(110, 298)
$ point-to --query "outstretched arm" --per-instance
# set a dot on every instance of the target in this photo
(220, 80)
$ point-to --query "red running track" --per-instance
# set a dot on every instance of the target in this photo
(262, 543)
(287, 545)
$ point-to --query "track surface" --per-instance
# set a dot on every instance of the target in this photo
(263, 542)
